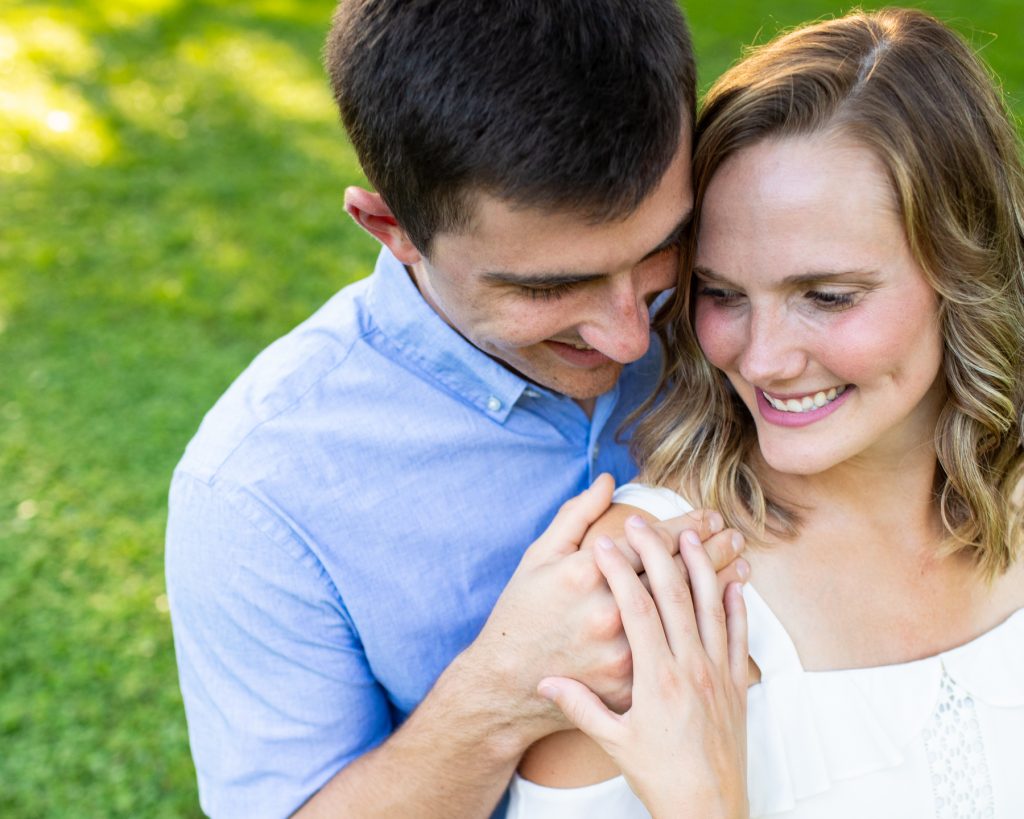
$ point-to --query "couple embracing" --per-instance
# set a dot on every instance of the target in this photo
(362, 628)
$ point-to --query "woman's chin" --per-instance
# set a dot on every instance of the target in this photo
(792, 461)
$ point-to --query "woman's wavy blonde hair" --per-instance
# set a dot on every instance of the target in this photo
(908, 88)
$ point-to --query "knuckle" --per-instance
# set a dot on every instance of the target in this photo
(620, 664)
(642, 606)
(666, 680)
(715, 614)
(586, 576)
(581, 574)
(676, 590)
(605, 623)
(574, 711)
(704, 680)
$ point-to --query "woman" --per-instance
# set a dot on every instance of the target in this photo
(846, 384)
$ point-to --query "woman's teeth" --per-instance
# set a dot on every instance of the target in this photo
(807, 402)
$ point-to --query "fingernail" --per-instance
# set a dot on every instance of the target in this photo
(547, 691)
(604, 542)
(742, 568)
(737, 542)
(636, 522)
(715, 522)
(691, 537)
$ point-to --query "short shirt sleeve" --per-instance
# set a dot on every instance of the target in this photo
(277, 690)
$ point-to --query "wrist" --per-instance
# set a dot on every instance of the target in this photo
(720, 806)
(489, 683)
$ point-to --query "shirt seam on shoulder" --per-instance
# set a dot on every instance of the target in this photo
(217, 487)
(215, 473)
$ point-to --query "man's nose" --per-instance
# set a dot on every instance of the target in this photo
(621, 327)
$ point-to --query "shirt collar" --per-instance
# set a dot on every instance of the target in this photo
(424, 338)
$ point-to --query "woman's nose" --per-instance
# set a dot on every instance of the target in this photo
(773, 353)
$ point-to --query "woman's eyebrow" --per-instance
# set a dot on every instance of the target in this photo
(812, 277)
(708, 273)
(830, 276)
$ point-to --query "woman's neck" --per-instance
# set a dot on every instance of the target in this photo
(865, 581)
(864, 496)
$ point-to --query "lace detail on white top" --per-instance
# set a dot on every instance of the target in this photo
(953, 742)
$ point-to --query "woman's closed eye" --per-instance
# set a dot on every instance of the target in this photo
(720, 295)
(831, 299)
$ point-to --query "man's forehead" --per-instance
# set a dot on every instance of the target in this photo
(492, 218)
(504, 239)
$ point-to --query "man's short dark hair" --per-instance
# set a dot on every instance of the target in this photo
(573, 105)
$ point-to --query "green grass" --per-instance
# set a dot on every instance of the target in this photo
(171, 178)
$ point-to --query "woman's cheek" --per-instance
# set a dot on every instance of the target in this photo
(717, 334)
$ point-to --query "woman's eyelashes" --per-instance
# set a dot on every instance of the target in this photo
(828, 300)
(719, 295)
(831, 300)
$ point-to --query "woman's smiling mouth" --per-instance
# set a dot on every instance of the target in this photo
(801, 410)
(806, 403)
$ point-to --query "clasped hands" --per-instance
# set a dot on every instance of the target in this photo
(636, 644)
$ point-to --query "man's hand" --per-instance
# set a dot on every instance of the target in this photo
(557, 616)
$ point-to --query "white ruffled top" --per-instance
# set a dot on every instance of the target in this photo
(940, 737)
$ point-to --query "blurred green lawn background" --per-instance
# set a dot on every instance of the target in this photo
(171, 178)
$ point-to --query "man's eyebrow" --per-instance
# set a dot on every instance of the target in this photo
(559, 278)
(550, 279)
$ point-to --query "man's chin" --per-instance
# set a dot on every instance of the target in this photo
(580, 385)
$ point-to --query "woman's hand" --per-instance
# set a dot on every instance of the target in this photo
(682, 743)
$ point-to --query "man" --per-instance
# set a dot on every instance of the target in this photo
(350, 511)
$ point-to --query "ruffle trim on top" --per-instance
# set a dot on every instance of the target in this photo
(809, 730)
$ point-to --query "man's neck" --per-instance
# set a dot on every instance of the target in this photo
(587, 405)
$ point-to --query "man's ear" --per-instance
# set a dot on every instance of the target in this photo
(371, 214)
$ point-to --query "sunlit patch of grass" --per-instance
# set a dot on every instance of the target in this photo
(265, 71)
(36, 110)
(48, 39)
(129, 13)
(150, 107)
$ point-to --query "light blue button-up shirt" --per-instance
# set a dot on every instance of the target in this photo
(342, 524)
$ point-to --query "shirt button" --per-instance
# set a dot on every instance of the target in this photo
(596, 452)
(493, 404)
(531, 393)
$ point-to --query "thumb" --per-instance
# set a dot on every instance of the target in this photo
(565, 533)
(582, 707)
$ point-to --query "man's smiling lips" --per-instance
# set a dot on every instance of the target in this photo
(577, 353)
